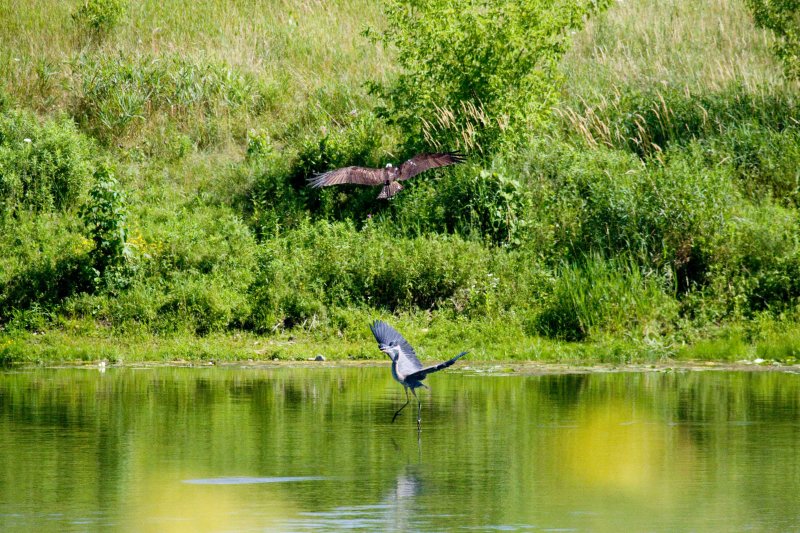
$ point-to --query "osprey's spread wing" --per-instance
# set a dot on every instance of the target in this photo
(422, 162)
(389, 339)
(419, 375)
(356, 175)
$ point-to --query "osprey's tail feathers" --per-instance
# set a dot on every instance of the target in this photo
(390, 190)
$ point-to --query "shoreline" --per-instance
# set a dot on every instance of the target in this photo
(524, 368)
(513, 353)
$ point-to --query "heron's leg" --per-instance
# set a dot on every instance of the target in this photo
(404, 405)
(419, 407)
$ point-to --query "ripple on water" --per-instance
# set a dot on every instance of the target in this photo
(243, 480)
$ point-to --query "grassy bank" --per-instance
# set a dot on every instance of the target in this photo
(485, 341)
(153, 202)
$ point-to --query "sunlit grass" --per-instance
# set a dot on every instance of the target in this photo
(665, 49)
(703, 45)
(434, 339)
(303, 51)
(727, 348)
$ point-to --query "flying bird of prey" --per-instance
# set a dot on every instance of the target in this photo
(406, 368)
(390, 176)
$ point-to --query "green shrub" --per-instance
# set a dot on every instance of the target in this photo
(193, 267)
(670, 213)
(97, 18)
(308, 271)
(686, 214)
(470, 73)
(259, 144)
(105, 215)
(766, 162)
(474, 203)
(756, 264)
(425, 273)
(273, 204)
(280, 197)
(201, 304)
(492, 203)
(196, 238)
(783, 18)
(41, 286)
(43, 166)
(44, 260)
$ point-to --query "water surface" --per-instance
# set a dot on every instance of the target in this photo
(310, 449)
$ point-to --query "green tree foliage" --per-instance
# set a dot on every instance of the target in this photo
(105, 216)
(473, 72)
(783, 18)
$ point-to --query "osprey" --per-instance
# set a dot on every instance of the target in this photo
(390, 176)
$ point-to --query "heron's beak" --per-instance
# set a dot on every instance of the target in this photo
(388, 352)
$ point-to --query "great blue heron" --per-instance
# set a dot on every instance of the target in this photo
(388, 176)
(406, 368)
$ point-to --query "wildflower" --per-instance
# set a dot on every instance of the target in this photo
(27, 140)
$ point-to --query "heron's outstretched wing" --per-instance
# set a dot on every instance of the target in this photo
(419, 375)
(356, 175)
(386, 335)
(422, 162)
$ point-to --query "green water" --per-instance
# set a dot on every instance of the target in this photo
(313, 449)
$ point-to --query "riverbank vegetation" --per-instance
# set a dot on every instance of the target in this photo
(631, 190)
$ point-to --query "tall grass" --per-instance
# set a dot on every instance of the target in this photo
(608, 296)
(643, 74)
(304, 50)
(701, 46)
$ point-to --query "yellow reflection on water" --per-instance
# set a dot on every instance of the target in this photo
(163, 502)
(619, 446)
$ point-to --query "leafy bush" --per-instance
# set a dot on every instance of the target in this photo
(765, 162)
(670, 213)
(45, 284)
(308, 271)
(42, 166)
(201, 304)
(105, 216)
(756, 264)
(783, 18)
(199, 239)
(280, 198)
(97, 18)
(488, 203)
(193, 267)
(471, 73)
(44, 260)
(202, 260)
(471, 202)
